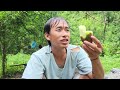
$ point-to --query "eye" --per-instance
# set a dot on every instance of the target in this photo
(67, 30)
(58, 29)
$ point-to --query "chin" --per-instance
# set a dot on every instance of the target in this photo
(65, 46)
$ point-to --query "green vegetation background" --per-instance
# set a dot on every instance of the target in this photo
(18, 29)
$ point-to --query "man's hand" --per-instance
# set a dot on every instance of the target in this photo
(93, 49)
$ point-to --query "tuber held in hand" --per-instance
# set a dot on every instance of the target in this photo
(85, 35)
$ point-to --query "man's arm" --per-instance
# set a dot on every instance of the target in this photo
(94, 49)
(98, 72)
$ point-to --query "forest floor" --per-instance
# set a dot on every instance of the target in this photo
(113, 74)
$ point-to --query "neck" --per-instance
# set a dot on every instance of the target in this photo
(59, 52)
(60, 56)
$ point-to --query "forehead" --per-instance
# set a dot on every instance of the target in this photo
(59, 22)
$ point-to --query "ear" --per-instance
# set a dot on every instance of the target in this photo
(47, 36)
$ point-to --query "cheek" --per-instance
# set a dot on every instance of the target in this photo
(69, 37)
(69, 34)
(54, 37)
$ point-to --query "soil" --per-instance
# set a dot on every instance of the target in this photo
(16, 76)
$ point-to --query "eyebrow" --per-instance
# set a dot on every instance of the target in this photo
(61, 27)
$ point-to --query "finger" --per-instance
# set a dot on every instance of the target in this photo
(88, 49)
(93, 46)
(91, 53)
(97, 42)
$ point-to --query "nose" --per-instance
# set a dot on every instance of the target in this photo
(65, 33)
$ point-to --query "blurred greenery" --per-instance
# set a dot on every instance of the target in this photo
(19, 28)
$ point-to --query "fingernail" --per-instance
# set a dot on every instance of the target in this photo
(85, 41)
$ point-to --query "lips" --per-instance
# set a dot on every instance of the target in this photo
(64, 40)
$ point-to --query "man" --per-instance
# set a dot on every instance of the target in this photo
(61, 60)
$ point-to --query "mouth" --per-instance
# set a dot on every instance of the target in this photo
(64, 41)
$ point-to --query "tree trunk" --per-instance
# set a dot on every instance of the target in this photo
(3, 47)
(3, 61)
(105, 24)
(86, 15)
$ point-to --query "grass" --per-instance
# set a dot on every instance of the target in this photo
(108, 63)
(15, 59)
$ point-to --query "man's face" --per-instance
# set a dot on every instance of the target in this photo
(59, 35)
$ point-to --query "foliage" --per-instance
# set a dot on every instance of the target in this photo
(108, 34)
(19, 28)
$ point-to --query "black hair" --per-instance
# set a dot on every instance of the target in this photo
(51, 23)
